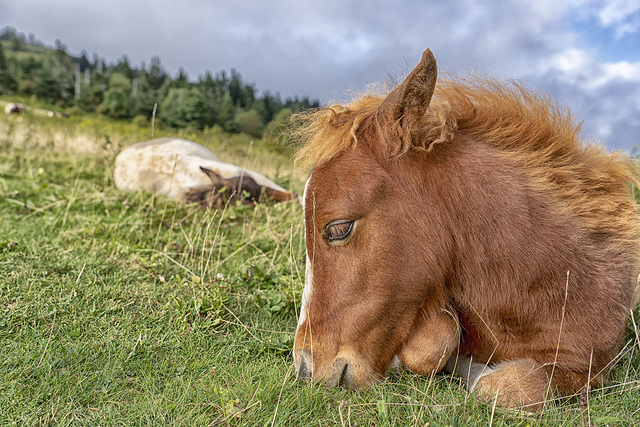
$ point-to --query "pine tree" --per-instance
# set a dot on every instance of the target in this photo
(7, 82)
(117, 98)
(156, 76)
(227, 114)
(184, 107)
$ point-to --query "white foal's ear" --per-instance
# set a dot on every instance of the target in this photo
(214, 177)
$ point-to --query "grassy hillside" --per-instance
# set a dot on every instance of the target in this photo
(128, 308)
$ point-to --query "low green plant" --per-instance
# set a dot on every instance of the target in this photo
(129, 308)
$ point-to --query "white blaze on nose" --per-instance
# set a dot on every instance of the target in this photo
(306, 294)
(308, 272)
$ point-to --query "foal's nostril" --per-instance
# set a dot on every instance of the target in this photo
(301, 364)
(303, 371)
(339, 374)
(345, 377)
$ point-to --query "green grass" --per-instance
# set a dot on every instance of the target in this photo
(131, 309)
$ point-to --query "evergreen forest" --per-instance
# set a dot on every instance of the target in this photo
(80, 85)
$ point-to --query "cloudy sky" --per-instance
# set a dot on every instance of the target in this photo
(585, 53)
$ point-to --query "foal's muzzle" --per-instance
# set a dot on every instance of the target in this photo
(339, 372)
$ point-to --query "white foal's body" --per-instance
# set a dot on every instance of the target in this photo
(171, 167)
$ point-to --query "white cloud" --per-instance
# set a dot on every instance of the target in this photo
(605, 94)
(582, 68)
(621, 14)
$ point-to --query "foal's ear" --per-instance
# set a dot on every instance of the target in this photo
(407, 103)
(214, 177)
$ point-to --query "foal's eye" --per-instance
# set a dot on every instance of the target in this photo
(338, 230)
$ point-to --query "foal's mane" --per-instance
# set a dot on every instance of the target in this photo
(503, 114)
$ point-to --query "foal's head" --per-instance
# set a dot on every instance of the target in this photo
(368, 271)
(223, 191)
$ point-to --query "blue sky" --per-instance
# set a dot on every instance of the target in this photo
(585, 53)
(612, 41)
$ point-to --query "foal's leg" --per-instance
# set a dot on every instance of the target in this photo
(521, 383)
(465, 368)
(431, 341)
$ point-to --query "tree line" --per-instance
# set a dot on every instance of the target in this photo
(122, 91)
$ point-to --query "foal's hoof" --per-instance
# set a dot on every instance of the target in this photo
(520, 384)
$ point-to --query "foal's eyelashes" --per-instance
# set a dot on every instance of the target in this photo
(337, 231)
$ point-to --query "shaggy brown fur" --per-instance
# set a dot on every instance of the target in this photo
(475, 201)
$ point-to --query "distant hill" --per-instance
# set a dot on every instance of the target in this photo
(79, 84)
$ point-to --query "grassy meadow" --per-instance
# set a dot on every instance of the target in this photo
(132, 309)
